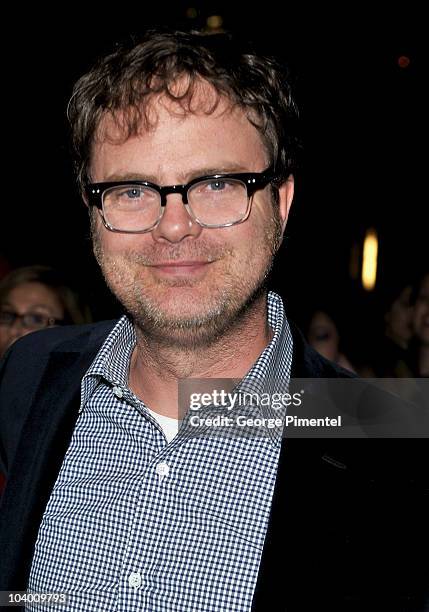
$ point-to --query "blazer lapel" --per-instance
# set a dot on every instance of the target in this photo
(44, 441)
(283, 561)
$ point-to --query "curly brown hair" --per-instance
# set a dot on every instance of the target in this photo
(123, 83)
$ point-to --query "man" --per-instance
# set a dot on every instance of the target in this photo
(184, 152)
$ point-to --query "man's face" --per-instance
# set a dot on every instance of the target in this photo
(183, 283)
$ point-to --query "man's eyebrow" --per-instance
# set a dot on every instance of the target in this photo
(209, 171)
(135, 176)
(182, 178)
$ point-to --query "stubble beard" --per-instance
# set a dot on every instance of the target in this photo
(224, 304)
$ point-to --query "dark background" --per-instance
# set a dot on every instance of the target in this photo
(363, 132)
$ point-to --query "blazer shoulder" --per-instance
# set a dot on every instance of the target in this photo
(24, 362)
(23, 367)
(67, 337)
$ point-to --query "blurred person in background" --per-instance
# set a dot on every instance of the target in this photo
(390, 351)
(35, 297)
(418, 353)
(398, 319)
(324, 337)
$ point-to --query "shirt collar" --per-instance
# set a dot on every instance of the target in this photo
(112, 360)
(271, 371)
(269, 374)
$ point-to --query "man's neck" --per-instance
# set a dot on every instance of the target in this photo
(157, 367)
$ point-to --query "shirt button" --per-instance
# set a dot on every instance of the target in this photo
(135, 580)
(162, 469)
(118, 392)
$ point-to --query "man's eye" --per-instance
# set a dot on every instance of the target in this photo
(136, 192)
(133, 193)
(217, 185)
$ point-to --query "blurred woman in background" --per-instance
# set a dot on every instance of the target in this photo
(419, 345)
(35, 297)
(389, 350)
(324, 337)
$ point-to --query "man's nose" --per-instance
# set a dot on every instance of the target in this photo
(176, 222)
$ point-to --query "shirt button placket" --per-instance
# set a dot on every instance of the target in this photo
(135, 580)
(118, 392)
(162, 469)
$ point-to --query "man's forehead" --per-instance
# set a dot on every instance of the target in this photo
(203, 100)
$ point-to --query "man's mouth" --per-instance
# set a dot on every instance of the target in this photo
(181, 268)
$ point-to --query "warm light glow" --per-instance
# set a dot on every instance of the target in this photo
(369, 263)
(214, 22)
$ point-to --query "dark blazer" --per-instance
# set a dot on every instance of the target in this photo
(348, 524)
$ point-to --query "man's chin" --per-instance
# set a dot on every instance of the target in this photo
(187, 325)
(193, 321)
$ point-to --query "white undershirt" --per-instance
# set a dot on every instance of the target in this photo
(169, 426)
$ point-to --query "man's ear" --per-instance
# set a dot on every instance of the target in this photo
(286, 191)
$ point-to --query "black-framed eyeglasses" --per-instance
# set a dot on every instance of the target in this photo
(218, 200)
(29, 320)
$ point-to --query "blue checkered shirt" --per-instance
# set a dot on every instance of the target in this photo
(116, 535)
